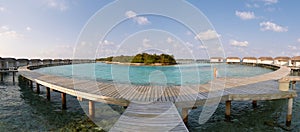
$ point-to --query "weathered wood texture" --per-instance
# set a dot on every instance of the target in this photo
(249, 88)
(152, 117)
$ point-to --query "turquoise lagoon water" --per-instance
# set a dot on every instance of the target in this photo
(23, 110)
(174, 75)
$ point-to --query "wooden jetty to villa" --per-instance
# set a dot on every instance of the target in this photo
(154, 108)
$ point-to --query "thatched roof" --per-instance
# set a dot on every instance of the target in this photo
(296, 58)
(216, 58)
(249, 58)
(9, 59)
(234, 58)
(47, 60)
(35, 60)
(266, 58)
(22, 60)
(282, 58)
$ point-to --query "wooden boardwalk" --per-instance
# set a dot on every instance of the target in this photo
(152, 117)
(145, 102)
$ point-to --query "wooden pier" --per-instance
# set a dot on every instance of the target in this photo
(3, 72)
(155, 107)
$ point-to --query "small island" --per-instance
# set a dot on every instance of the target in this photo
(141, 59)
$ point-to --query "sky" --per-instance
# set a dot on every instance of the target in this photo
(101, 28)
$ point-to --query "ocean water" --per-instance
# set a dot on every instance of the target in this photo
(21, 109)
(174, 75)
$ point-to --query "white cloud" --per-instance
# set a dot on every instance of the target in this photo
(245, 15)
(292, 47)
(208, 35)
(6, 32)
(57, 4)
(269, 2)
(298, 40)
(169, 40)
(4, 28)
(265, 26)
(28, 28)
(130, 14)
(202, 47)
(239, 43)
(2, 9)
(188, 44)
(146, 43)
(107, 43)
(138, 19)
(252, 5)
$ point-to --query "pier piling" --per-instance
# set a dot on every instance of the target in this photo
(227, 110)
(14, 74)
(48, 93)
(31, 84)
(185, 112)
(91, 109)
(1, 77)
(215, 73)
(63, 101)
(293, 85)
(289, 112)
(254, 104)
(37, 88)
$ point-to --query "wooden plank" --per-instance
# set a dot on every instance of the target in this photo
(156, 116)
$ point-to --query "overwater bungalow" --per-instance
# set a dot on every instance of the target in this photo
(1, 63)
(216, 60)
(265, 60)
(233, 60)
(35, 62)
(282, 60)
(67, 61)
(249, 60)
(295, 61)
(47, 61)
(9, 63)
(57, 61)
(22, 62)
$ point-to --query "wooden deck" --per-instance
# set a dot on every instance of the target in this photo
(152, 117)
(145, 102)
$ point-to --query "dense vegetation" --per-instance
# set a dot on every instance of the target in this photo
(142, 58)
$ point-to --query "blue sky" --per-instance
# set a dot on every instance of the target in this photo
(51, 29)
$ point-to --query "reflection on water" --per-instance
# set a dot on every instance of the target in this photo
(23, 110)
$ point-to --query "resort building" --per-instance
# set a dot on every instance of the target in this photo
(233, 60)
(47, 61)
(67, 61)
(216, 60)
(265, 60)
(282, 60)
(295, 61)
(22, 62)
(9, 63)
(35, 62)
(57, 61)
(1, 63)
(250, 60)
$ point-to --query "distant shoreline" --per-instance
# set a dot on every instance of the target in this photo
(136, 64)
